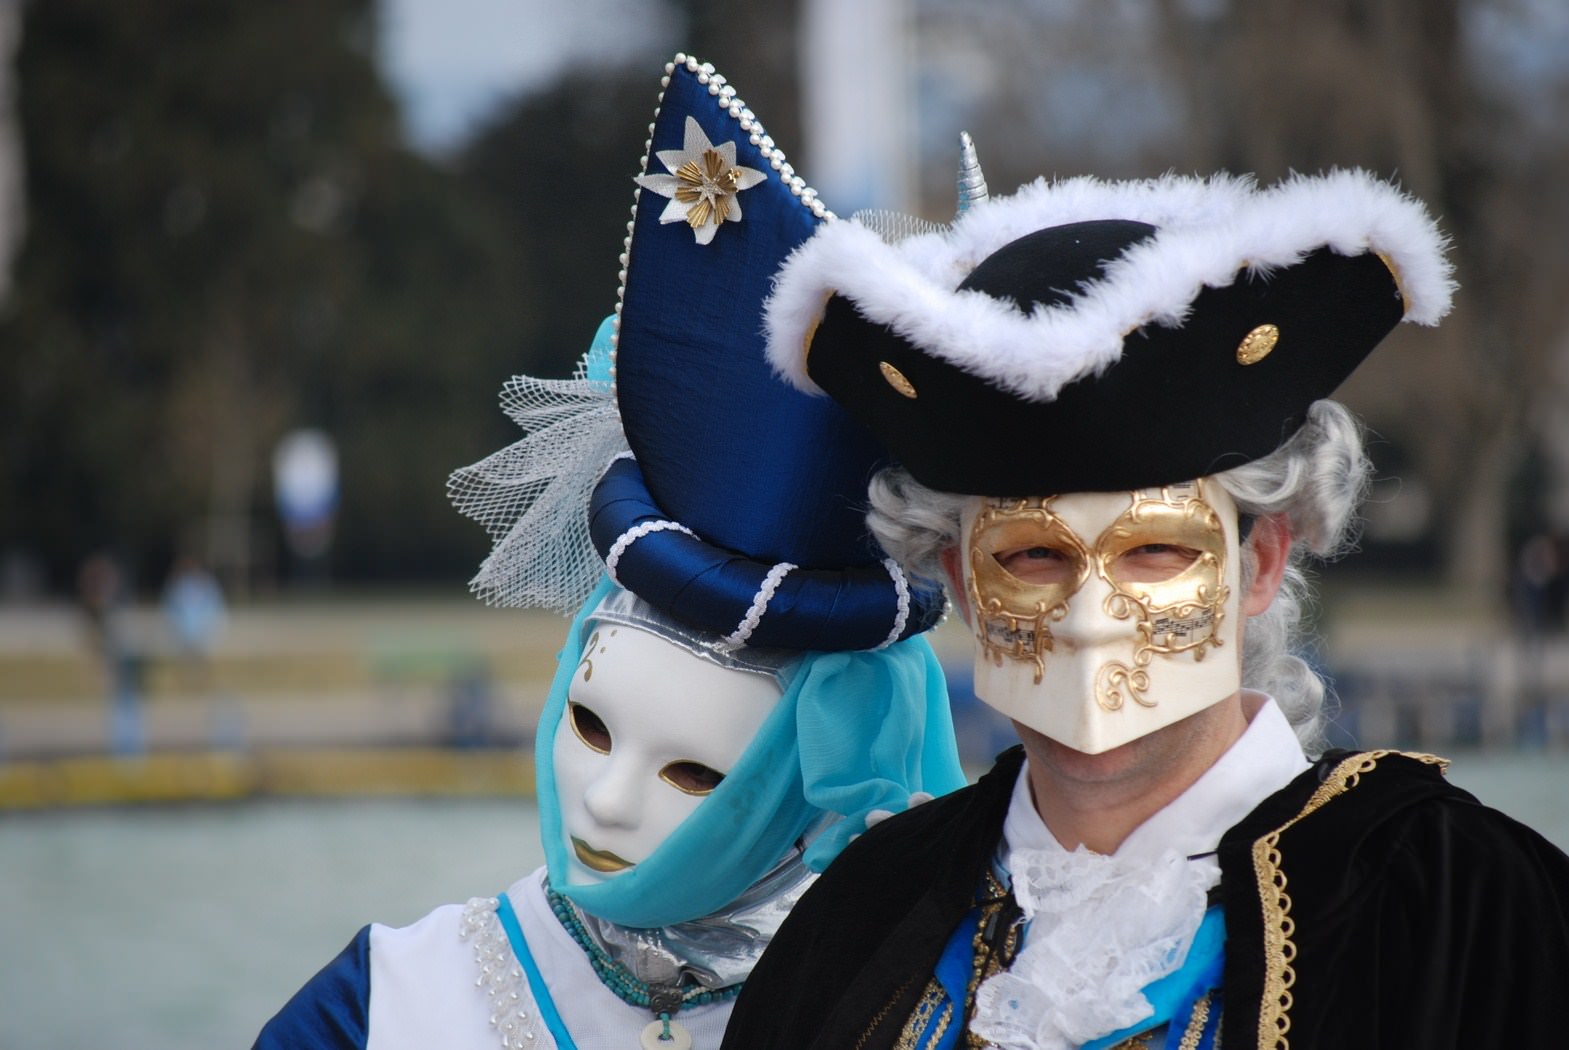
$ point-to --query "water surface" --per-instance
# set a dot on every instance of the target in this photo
(187, 927)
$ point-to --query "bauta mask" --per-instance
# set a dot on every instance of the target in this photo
(648, 732)
(1102, 617)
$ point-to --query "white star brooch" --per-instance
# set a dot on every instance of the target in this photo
(704, 183)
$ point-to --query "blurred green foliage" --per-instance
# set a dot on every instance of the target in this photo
(227, 239)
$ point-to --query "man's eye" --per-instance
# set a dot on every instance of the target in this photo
(1154, 562)
(1036, 564)
(590, 728)
(694, 778)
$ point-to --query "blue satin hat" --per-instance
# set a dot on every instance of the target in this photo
(741, 511)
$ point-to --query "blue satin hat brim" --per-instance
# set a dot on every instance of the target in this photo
(713, 589)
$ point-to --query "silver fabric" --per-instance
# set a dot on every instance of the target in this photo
(716, 951)
(621, 606)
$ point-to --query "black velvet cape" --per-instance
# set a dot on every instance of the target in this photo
(1368, 903)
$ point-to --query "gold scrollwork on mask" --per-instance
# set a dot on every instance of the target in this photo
(1014, 616)
(1183, 612)
(1115, 682)
(1174, 597)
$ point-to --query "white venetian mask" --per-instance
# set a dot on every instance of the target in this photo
(648, 732)
(1096, 613)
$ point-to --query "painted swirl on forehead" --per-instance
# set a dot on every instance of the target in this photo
(586, 665)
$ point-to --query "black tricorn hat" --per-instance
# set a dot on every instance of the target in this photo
(1089, 336)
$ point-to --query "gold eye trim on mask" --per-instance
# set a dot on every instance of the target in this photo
(1181, 612)
(1012, 613)
(691, 777)
(589, 728)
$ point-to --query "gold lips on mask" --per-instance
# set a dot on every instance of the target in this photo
(1180, 612)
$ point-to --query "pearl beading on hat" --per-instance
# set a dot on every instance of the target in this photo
(725, 98)
(754, 615)
(901, 588)
(632, 535)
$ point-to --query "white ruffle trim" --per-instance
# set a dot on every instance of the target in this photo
(1101, 929)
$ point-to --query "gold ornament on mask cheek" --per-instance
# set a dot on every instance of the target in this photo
(1177, 614)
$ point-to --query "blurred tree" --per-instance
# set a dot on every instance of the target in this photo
(1429, 92)
(756, 47)
(226, 240)
(1454, 98)
(559, 163)
(557, 168)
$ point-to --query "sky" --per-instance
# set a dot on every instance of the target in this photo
(451, 62)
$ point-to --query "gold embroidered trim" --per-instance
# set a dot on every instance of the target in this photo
(1274, 1016)
(1196, 1022)
(878, 1017)
(926, 1023)
(1136, 1042)
(922, 1016)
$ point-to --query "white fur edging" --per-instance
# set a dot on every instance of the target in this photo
(1207, 232)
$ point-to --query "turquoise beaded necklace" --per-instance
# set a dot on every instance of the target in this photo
(663, 1000)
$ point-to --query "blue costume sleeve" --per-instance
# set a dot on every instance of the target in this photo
(332, 1010)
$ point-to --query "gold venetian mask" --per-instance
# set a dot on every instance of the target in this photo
(1084, 602)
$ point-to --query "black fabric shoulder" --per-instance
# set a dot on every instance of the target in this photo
(871, 928)
(1371, 903)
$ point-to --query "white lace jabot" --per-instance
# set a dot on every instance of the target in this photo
(1103, 927)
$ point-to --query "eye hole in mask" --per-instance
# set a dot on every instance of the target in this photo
(694, 778)
(590, 728)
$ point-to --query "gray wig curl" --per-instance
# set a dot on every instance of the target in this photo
(1316, 480)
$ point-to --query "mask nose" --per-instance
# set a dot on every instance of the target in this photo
(613, 798)
(1087, 623)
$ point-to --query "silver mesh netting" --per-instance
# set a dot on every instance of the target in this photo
(532, 496)
(894, 226)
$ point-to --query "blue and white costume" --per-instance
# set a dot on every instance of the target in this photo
(688, 494)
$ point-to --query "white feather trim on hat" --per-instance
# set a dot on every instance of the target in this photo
(1207, 232)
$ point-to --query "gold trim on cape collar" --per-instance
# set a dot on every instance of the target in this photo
(1280, 951)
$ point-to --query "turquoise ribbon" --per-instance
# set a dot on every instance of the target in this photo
(536, 980)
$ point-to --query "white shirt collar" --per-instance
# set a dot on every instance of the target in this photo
(1263, 760)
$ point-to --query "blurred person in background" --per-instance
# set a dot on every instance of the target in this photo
(104, 594)
(744, 688)
(196, 613)
(1106, 400)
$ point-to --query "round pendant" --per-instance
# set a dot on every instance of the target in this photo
(654, 1037)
